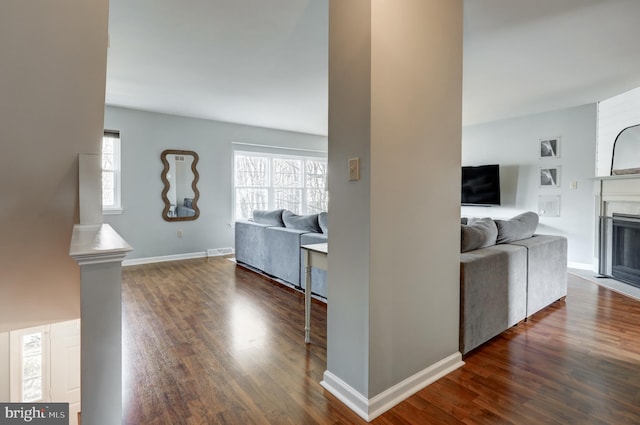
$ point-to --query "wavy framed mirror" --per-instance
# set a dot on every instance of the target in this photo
(180, 177)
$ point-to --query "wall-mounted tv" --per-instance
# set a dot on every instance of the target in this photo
(481, 185)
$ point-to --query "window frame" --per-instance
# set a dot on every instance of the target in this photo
(116, 207)
(272, 155)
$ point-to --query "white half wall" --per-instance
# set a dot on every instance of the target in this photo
(144, 135)
(514, 144)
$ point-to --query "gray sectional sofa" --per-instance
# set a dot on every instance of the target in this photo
(507, 273)
(270, 244)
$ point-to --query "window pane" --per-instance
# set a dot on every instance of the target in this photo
(108, 185)
(32, 343)
(32, 390)
(32, 367)
(107, 153)
(110, 172)
(317, 201)
(289, 199)
(316, 172)
(251, 171)
(287, 172)
(248, 200)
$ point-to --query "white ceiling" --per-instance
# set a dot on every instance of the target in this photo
(264, 63)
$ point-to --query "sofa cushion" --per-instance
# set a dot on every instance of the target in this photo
(522, 226)
(323, 222)
(307, 223)
(272, 218)
(478, 233)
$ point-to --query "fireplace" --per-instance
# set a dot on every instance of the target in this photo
(625, 250)
(620, 247)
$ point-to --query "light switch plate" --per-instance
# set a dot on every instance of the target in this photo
(354, 169)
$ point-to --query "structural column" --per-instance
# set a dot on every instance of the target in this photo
(395, 103)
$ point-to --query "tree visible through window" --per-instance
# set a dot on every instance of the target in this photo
(267, 181)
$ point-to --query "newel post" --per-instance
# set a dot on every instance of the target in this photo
(99, 250)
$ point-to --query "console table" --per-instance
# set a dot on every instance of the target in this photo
(315, 256)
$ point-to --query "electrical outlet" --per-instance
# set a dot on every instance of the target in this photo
(180, 233)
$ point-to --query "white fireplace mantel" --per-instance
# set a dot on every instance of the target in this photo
(619, 194)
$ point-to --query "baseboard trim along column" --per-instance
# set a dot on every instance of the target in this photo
(369, 409)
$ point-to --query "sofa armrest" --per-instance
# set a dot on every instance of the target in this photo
(283, 253)
(251, 248)
(546, 270)
(312, 238)
(492, 292)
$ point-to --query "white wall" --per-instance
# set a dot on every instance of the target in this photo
(4, 367)
(144, 135)
(514, 144)
(615, 114)
(51, 109)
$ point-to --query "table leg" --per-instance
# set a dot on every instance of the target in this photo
(307, 302)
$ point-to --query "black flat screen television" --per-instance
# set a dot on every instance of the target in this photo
(481, 185)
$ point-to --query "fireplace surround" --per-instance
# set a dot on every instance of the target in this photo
(620, 235)
(619, 247)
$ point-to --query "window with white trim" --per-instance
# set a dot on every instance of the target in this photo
(111, 172)
(267, 181)
(30, 364)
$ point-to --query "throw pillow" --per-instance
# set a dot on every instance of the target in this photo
(522, 226)
(323, 222)
(272, 218)
(301, 222)
(188, 202)
(478, 233)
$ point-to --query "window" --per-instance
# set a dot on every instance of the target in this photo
(111, 172)
(29, 363)
(32, 373)
(272, 181)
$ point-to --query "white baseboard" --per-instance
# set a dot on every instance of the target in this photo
(212, 252)
(163, 258)
(581, 266)
(369, 409)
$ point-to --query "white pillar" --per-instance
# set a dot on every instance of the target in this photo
(99, 251)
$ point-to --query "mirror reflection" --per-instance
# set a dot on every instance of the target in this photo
(180, 194)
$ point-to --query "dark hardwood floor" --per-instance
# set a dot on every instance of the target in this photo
(206, 342)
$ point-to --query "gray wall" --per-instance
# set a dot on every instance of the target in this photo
(144, 135)
(514, 144)
(52, 109)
